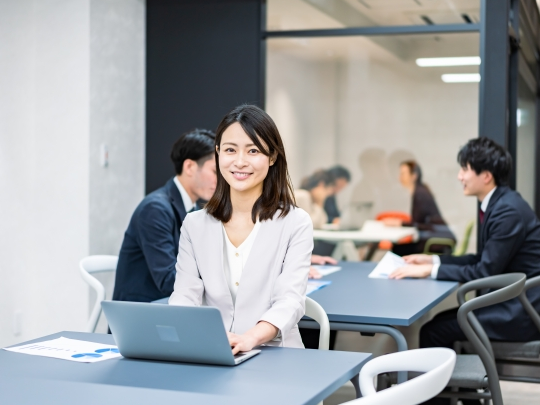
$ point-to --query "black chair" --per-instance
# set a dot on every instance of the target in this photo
(478, 371)
(517, 361)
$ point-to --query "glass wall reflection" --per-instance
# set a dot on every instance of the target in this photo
(367, 105)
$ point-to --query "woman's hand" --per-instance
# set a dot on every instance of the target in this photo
(314, 273)
(261, 333)
(241, 343)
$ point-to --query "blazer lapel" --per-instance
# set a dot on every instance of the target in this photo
(216, 233)
(492, 201)
(176, 199)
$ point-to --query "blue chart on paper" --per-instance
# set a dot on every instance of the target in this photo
(79, 355)
(111, 349)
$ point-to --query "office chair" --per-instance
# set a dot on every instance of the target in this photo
(318, 314)
(91, 265)
(517, 361)
(437, 365)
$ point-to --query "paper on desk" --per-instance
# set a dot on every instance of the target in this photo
(69, 349)
(314, 285)
(325, 269)
(387, 265)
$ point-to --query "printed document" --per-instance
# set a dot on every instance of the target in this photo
(387, 265)
(314, 285)
(69, 349)
(326, 269)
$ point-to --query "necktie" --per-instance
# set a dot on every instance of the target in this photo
(481, 215)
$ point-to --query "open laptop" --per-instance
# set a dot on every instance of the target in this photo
(171, 333)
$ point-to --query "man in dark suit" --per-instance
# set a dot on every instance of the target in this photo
(509, 242)
(146, 264)
(340, 177)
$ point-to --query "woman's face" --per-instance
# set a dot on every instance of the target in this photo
(405, 177)
(320, 193)
(241, 163)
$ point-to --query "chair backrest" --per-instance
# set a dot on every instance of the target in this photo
(88, 266)
(508, 286)
(318, 314)
(533, 282)
(464, 245)
(436, 363)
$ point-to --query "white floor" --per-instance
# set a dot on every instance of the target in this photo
(513, 394)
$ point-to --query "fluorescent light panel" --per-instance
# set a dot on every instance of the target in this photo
(461, 78)
(458, 61)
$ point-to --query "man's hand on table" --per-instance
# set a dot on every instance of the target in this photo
(418, 266)
(316, 259)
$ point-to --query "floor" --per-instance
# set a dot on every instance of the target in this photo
(513, 394)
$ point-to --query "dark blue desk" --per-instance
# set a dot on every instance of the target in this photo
(276, 376)
(357, 303)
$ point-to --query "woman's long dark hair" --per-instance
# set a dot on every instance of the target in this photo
(277, 193)
(414, 168)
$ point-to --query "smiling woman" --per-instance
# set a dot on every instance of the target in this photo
(248, 253)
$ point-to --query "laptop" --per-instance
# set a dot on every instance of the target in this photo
(171, 333)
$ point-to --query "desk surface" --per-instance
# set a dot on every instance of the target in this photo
(353, 297)
(276, 376)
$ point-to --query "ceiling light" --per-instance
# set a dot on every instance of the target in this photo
(461, 61)
(461, 78)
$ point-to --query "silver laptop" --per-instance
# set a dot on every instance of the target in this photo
(171, 333)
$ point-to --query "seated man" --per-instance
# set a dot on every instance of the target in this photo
(509, 242)
(341, 178)
(146, 264)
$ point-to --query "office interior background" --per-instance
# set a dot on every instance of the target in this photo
(95, 92)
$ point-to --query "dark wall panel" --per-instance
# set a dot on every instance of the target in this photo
(203, 58)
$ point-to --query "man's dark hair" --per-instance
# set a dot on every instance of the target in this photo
(484, 154)
(310, 182)
(197, 145)
(339, 172)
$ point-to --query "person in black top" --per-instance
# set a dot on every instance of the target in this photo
(509, 242)
(425, 214)
(341, 177)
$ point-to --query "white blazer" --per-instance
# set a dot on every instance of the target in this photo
(273, 283)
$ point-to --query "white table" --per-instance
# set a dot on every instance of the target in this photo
(371, 232)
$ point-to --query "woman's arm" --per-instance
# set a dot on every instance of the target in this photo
(188, 286)
(261, 333)
(289, 293)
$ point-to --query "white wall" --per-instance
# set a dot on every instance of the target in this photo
(45, 146)
(350, 102)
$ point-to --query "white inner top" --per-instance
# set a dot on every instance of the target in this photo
(188, 204)
(235, 258)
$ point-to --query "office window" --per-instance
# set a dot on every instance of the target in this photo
(319, 14)
(526, 143)
(364, 103)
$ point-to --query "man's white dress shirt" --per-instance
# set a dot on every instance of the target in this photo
(186, 199)
(437, 259)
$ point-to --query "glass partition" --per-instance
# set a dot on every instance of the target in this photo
(364, 103)
(320, 14)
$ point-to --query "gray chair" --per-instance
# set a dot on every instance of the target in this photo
(517, 361)
(478, 371)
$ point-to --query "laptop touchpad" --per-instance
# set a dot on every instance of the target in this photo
(167, 333)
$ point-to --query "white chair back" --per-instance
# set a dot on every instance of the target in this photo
(318, 314)
(96, 264)
(436, 363)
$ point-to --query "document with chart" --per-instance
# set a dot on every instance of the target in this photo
(69, 349)
(388, 264)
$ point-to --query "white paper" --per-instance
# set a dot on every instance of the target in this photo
(325, 269)
(69, 349)
(314, 285)
(388, 264)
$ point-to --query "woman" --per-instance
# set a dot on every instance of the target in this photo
(425, 214)
(313, 193)
(248, 252)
